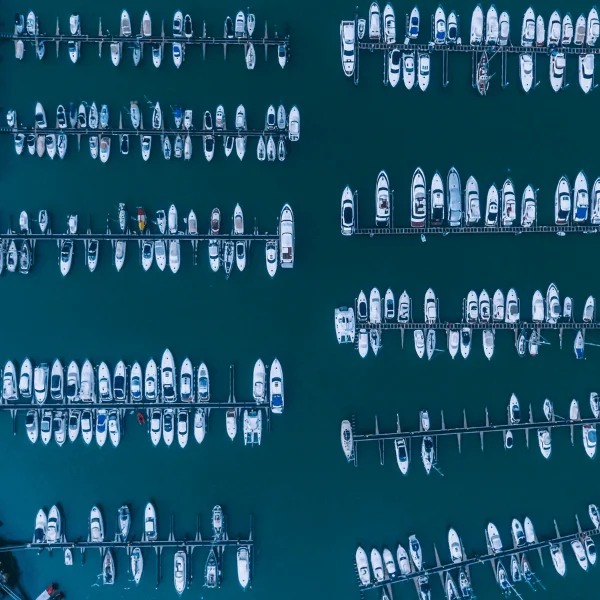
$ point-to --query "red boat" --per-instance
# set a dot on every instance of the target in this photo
(47, 593)
(141, 217)
(141, 418)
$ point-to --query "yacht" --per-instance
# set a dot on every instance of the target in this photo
(465, 341)
(252, 427)
(553, 308)
(452, 34)
(580, 26)
(545, 442)
(389, 305)
(174, 255)
(454, 199)
(208, 139)
(276, 388)
(10, 390)
(477, 26)
(259, 391)
(389, 24)
(593, 27)
(557, 70)
(493, 538)
(580, 198)
(150, 381)
(589, 310)
(203, 383)
(120, 253)
(430, 307)
(558, 559)
(40, 383)
(590, 549)
(586, 72)
(472, 208)
(498, 306)
(96, 525)
(589, 439)
(453, 342)
(408, 69)
(60, 427)
(488, 343)
(404, 566)
(509, 204)
(402, 456)
(40, 116)
(430, 343)
(46, 427)
(374, 22)
(156, 416)
(101, 429)
(418, 199)
(57, 376)
(567, 30)
(180, 571)
(518, 534)
(416, 554)
(347, 212)
(437, 201)
(580, 554)
(427, 449)
(116, 51)
(150, 527)
(199, 424)
(562, 202)
(526, 71)
(540, 31)
(146, 146)
(74, 424)
(377, 565)
(528, 207)
(168, 426)
(394, 67)
(382, 200)
(554, 30)
(168, 377)
(537, 307)
(424, 67)
(491, 26)
(440, 26)
(504, 29)
(32, 425)
(455, 545)
(54, 527)
(472, 307)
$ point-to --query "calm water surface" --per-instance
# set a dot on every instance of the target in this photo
(311, 508)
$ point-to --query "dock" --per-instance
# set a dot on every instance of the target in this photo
(481, 559)
(494, 325)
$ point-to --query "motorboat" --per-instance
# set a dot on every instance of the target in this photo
(203, 383)
(211, 570)
(382, 200)
(347, 211)
(96, 525)
(545, 442)
(504, 29)
(146, 29)
(502, 578)
(294, 124)
(374, 22)
(87, 426)
(437, 201)
(146, 146)
(419, 342)
(12, 257)
(377, 565)
(19, 143)
(252, 427)
(174, 255)
(590, 549)
(276, 394)
(540, 31)
(363, 342)
(454, 543)
(208, 139)
(451, 589)
(46, 427)
(424, 68)
(548, 410)
(32, 425)
(402, 456)
(9, 383)
(40, 145)
(557, 70)
(528, 207)
(40, 116)
(453, 342)
(394, 67)
(150, 381)
(57, 381)
(454, 198)
(430, 307)
(104, 383)
(580, 27)
(74, 424)
(589, 310)
(595, 404)
(389, 305)
(135, 115)
(452, 29)
(537, 307)
(562, 202)
(389, 24)
(157, 117)
(240, 25)
(465, 341)
(243, 566)
(51, 145)
(581, 200)
(60, 427)
(477, 26)
(120, 382)
(578, 345)
(40, 382)
(472, 307)
(464, 584)
(125, 27)
(404, 566)
(472, 208)
(271, 150)
(428, 453)
(108, 568)
(172, 220)
(116, 52)
(509, 203)
(101, 426)
(157, 54)
(589, 439)
(586, 72)
(526, 71)
(554, 30)
(54, 527)
(430, 343)
(488, 343)
(361, 307)
(418, 199)
(553, 307)
(416, 554)
(491, 26)
(440, 26)
(120, 253)
(362, 566)
(518, 534)
(87, 391)
(498, 306)
(180, 571)
(558, 559)
(188, 30)
(493, 538)
(168, 377)
(413, 24)
(580, 554)
(567, 30)
(41, 527)
(408, 69)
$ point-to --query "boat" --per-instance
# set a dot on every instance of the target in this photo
(404, 566)
(586, 72)
(146, 146)
(554, 30)
(413, 24)
(548, 410)
(430, 307)
(567, 30)
(553, 308)
(363, 342)
(504, 29)
(150, 529)
(464, 584)
(451, 589)
(477, 26)
(483, 76)
(40, 382)
(540, 31)
(374, 22)
(526, 71)
(453, 342)
(81, 421)
(51, 145)
(286, 237)
(362, 566)
(228, 257)
(545, 442)
(57, 381)
(96, 525)
(180, 571)
(562, 202)
(537, 307)
(146, 29)
(509, 203)
(454, 543)
(465, 341)
(40, 116)
(589, 439)
(454, 198)
(389, 24)
(211, 570)
(437, 201)
(389, 305)
(593, 27)
(294, 124)
(416, 555)
(418, 199)
(558, 559)
(108, 569)
(101, 424)
(408, 69)
(41, 527)
(240, 25)
(427, 453)
(578, 346)
(557, 70)
(440, 26)
(347, 211)
(472, 209)
(271, 150)
(203, 383)
(498, 306)
(472, 307)
(580, 553)
(137, 564)
(32, 425)
(502, 578)
(491, 207)
(375, 340)
(488, 343)
(518, 534)
(252, 427)
(493, 538)
(250, 56)
(430, 343)
(54, 527)
(423, 71)
(60, 427)
(452, 27)
(528, 207)
(589, 310)
(46, 427)
(347, 43)
(580, 198)
(377, 565)
(276, 395)
(580, 27)
(590, 549)
(491, 26)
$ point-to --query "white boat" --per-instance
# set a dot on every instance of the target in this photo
(174, 255)
(452, 28)
(430, 343)
(157, 54)
(518, 534)
(168, 426)
(493, 537)
(168, 377)
(526, 71)
(562, 202)
(394, 67)
(553, 308)
(413, 24)
(116, 51)
(440, 26)
(453, 191)
(498, 306)
(430, 307)
(558, 559)
(120, 253)
(537, 307)
(554, 30)
(96, 525)
(528, 207)
(243, 566)
(581, 199)
(250, 24)
(125, 29)
(419, 342)
(346, 438)
(540, 31)
(453, 342)
(150, 381)
(375, 307)
(40, 382)
(557, 70)
(286, 237)
(146, 29)
(580, 27)
(377, 565)
(150, 527)
(389, 305)
(57, 376)
(374, 22)
(567, 30)
(146, 146)
(530, 537)
(586, 72)
(347, 211)
(203, 383)
(472, 207)
(54, 527)
(509, 203)
(294, 125)
(491, 26)
(156, 426)
(589, 439)
(101, 426)
(40, 116)
(424, 67)
(137, 564)
(41, 527)
(590, 549)
(252, 427)
(363, 342)
(408, 69)
(404, 566)
(504, 29)
(32, 425)
(472, 307)
(418, 199)
(362, 566)
(595, 404)
(382, 199)
(135, 115)
(545, 442)
(416, 555)
(10, 391)
(477, 26)
(427, 450)
(259, 391)
(488, 343)
(580, 553)
(465, 341)
(389, 24)
(276, 394)
(114, 427)
(74, 424)
(593, 28)
(46, 427)
(51, 145)
(454, 543)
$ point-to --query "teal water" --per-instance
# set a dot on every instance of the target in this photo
(311, 508)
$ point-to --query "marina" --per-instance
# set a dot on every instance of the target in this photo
(50, 534)
(490, 36)
(240, 33)
(177, 142)
(445, 208)
(375, 573)
(93, 402)
(362, 326)
(161, 247)
(516, 422)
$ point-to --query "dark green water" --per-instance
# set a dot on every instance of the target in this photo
(311, 509)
